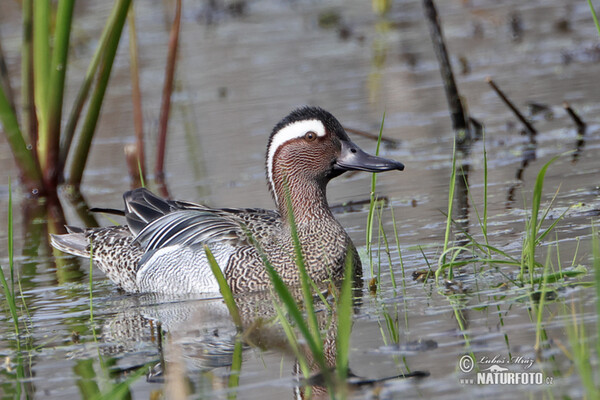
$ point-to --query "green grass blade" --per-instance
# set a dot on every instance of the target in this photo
(224, 289)
(5, 79)
(594, 16)
(236, 367)
(373, 199)
(8, 293)
(122, 389)
(41, 65)
(535, 208)
(86, 379)
(10, 126)
(84, 89)
(28, 117)
(303, 274)
(56, 84)
(89, 125)
(292, 339)
(344, 315)
(288, 300)
(449, 215)
(540, 306)
(596, 264)
(387, 246)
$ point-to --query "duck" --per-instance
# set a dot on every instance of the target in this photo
(161, 248)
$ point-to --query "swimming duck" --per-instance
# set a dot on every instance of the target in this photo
(161, 249)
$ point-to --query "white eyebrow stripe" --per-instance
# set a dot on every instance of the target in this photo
(292, 131)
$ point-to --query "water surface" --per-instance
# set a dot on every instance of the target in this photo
(239, 71)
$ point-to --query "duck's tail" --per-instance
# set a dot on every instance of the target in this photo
(74, 242)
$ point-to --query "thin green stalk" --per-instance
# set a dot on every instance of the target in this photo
(581, 353)
(8, 293)
(596, 264)
(532, 235)
(5, 79)
(404, 297)
(141, 172)
(484, 227)
(236, 367)
(594, 16)
(11, 248)
(23, 156)
(122, 389)
(89, 125)
(56, 87)
(373, 199)
(41, 72)
(302, 273)
(224, 289)
(41, 65)
(29, 119)
(288, 300)
(292, 339)
(82, 95)
(449, 215)
(387, 246)
(344, 316)
(540, 307)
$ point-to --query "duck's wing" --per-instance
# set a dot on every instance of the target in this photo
(158, 223)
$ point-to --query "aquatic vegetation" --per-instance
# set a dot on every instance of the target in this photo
(43, 79)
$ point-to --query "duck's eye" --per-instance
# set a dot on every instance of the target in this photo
(310, 136)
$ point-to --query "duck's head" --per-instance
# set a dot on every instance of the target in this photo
(310, 147)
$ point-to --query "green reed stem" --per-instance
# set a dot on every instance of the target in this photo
(387, 246)
(594, 16)
(236, 367)
(303, 275)
(484, 227)
(404, 297)
(41, 71)
(89, 124)
(448, 217)
(296, 315)
(9, 291)
(596, 264)
(542, 302)
(84, 89)
(23, 156)
(533, 226)
(50, 145)
(29, 119)
(224, 289)
(344, 316)
(292, 339)
(373, 200)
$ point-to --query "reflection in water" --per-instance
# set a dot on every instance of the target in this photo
(40, 218)
(201, 337)
(581, 129)
(529, 155)
(461, 199)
